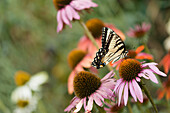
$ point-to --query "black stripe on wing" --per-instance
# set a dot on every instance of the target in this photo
(104, 35)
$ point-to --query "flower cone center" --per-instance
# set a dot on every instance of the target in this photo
(132, 54)
(139, 33)
(59, 4)
(21, 78)
(22, 103)
(95, 27)
(74, 57)
(85, 83)
(129, 69)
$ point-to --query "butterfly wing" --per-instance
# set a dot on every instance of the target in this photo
(113, 48)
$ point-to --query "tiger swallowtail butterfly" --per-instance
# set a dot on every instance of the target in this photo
(113, 48)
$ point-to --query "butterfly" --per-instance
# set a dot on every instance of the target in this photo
(113, 48)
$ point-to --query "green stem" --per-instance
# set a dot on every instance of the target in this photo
(129, 107)
(146, 48)
(149, 96)
(4, 108)
(101, 109)
(90, 36)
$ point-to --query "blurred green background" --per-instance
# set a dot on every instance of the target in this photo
(29, 42)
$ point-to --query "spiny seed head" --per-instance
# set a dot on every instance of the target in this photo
(132, 54)
(129, 69)
(21, 78)
(59, 4)
(74, 57)
(22, 103)
(140, 33)
(85, 83)
(95, 27)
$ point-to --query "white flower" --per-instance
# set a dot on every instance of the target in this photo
(23, 98)
(37, 80)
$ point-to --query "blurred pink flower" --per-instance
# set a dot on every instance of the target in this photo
(131, 71)
(165, 90)
(136, 54)
(68, 10)
(166, 62)
(78, 60)
(139, 31)
(98, 93)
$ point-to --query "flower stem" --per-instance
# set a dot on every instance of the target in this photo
(129, 108)
(146, 48)
(101, 109)
(90, 36)
(149, 96)
(4, 108)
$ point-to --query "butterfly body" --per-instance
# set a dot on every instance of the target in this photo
(113, 48)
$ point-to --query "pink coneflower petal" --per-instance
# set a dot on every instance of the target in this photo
(99, 96)
(137, 79)
(108, 91)
(132, 91)
(78, 106)
(126, 94)
(97, 100)
(59, 20)
(74, 14)
(74, 101)
(64, 17)
(84, 102)
(109, 75)
(143, 75)
(137, 90)
(117, 84)
(102, 93)
(89, 104)
(156, 70)
(69, 13)
(150, 74)
(148, 64)
(120, 91)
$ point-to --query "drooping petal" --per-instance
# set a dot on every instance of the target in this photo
(150, 74)
(137, 90)
(117, 84)
(60, 22)
(109, 75)
(121, 87)
(97, 100)
(84, 102)
(74, 14)
(156, 70)
(73, 103)
(148, 64)
(79, 105)
(64, 17)
(126, 94)
(69, 13)
(99, 96)
(143, 75)
(132, 91)
(89, 104)
(138, 79)
(103, 94)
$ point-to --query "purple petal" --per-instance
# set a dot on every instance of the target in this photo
(84, 103)
(74, 14)
(109, 75)
(137, 79)
(143, 75)
(111, 84)
(99, 96)
(97, 100)
(69, 13)
(60, 22)
(79, 105)
(117, 84)
(126, 94)
(90, 104)
(147, 64)
(103, 94)
(132, 91)
(108, 91)
(64, 17)
(120, 92)
(156, 70)
(137, 90)
(150, 74)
